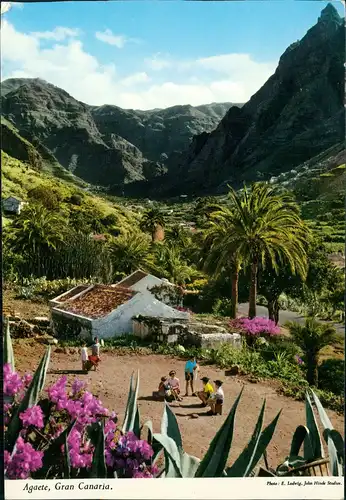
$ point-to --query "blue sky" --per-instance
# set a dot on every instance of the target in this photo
(154, 54)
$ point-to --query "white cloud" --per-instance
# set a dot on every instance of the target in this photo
(157, 63)
(108, 37)
(5, 7)
(167, 82)
(135, 79)
(58, 34)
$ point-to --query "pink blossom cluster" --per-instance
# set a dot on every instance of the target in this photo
(32, 416)
(13, 384)
(127, 454)
(24, 460)
(256, 326)
(80, 448)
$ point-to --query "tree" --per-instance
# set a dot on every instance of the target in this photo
(153, 221)
(272, 284)
(178, 236)
(312, 337)
(220, 254)
(129, 252)
(169, 264)
(261, 227)
(36, 233)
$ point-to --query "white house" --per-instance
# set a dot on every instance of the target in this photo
(140, 281)
(105, 312)
(13, 205)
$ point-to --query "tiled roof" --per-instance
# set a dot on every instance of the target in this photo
(99, 301)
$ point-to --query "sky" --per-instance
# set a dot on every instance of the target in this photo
(153, 54)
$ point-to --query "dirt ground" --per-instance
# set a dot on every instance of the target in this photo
(111, 383)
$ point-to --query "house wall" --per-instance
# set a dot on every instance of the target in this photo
(69, 326)
(119, 322)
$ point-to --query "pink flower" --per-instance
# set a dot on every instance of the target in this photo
(256, 326)
(32, 416)
(23, 461)
(12, 381)
(27, 379)
(78, 386)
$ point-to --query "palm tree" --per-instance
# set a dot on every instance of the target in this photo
(129, 252)
(153, 221)
(260, 226)
(177, 236)
(170, 265)
(220, 255)
(312, 337)
(36, 233)
(37, 228)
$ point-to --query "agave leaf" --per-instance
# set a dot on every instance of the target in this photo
(137, 424)
(336, 449)
(189, 464)
(339, 443)
(67, 462)
(298, 440)
(98, 467)
(313, 428)
(308, 447)
(321, 412)
(214, 461)
(335, 468)
(171, 453)
(8, 349)
(248, 459)
(131, 407)
(30, 399)
(170, 427)
(149, 426)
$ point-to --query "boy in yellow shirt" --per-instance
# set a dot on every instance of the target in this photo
(208, 390)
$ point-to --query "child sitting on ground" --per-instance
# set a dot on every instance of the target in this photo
(217, 397)
(174, 384)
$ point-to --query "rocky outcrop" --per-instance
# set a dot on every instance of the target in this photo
(297, 114)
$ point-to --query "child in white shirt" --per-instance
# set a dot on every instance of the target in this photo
(84, 354)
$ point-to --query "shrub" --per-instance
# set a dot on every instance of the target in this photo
(256, 326)
(331, 376)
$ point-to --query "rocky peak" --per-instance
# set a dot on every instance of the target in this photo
(330, 14)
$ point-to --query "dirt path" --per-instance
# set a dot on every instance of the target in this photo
(111, 384)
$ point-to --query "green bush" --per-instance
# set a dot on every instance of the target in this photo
(331, 376)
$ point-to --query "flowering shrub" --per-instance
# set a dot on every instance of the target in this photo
(256, 327)
(77, 409)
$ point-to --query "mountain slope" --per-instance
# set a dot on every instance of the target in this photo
(102, 145)
(297, 114)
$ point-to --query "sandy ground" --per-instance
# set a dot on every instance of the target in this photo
(111, 384)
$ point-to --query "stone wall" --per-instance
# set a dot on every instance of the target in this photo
(188, 334)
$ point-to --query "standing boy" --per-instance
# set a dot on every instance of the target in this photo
(190, 367)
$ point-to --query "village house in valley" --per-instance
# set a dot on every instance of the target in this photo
(105, 311)
(13, 205)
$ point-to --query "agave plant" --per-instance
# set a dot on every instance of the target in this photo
(92, 445)
(308, 436)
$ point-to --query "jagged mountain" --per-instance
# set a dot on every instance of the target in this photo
(297, 114)
(102, 145)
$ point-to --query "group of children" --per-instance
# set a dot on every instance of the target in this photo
(169, 388)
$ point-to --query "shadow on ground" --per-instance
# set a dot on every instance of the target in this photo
(68, 372)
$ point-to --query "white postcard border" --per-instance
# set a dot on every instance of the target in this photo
(266, 488)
